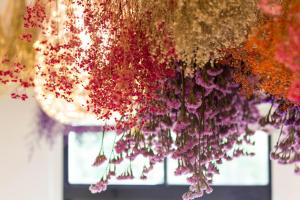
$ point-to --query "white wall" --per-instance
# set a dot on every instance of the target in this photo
(22, 178)
(285, 184)
(41, 177)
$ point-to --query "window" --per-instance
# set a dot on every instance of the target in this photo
(244, 178)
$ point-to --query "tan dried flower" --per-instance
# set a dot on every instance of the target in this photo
(200, 28)
(203, 28)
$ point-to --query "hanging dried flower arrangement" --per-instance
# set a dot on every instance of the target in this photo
(198, 121)
(177, 78)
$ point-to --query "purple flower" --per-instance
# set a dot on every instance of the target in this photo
(214, 72)
(201, 82)
(205, 120)
(173, 104)
(180, 126)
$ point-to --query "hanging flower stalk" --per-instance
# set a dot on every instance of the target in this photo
(200, 121)
(285, 117)
(135, 57)
(110, 50)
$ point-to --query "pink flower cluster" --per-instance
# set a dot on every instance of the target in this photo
(271, 7)
(99, 187)
(196, 120)
(122, 62)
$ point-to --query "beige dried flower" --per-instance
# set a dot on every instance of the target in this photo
(204, 27)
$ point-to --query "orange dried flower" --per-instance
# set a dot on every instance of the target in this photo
(258, 55)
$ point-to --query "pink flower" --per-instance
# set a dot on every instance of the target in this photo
(120, 146)
(208, 190)
(143, 177)
(193, 106)
(181, 170)
(180, 126)
(201, 82)
(117, 160)
(270, 7)
(98, 187)
(100, 159)
(173, 103)
(214, 72)
(125, 177)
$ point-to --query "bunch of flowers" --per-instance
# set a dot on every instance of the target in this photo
(115, 51)
(184, 77)
(200, 121)
(109, 50)
(257, 57)
(272, 50)
(288, 49)
(285, 117)
(136, 56)
(191, 24)
(271, 7)
(205, 28)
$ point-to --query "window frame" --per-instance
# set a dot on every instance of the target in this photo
(155, 192)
